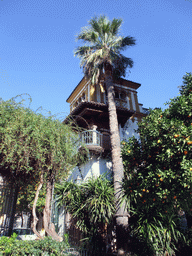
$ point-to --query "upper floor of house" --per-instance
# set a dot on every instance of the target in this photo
(125, 95)
(89, 110)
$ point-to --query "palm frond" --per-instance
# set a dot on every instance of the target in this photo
(115, 26)
(127, 41)
(121, 64)
(88, 35)
(104, 47)
(95, 25)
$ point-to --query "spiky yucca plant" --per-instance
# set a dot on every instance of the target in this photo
(91, 204)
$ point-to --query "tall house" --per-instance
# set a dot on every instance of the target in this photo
(88, 108)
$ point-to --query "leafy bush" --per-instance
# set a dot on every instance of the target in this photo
(10, 246)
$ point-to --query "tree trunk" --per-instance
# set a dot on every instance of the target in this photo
(48, 225)
(13, 209)
(121, 215)
(35, 219)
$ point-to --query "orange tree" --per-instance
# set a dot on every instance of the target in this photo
(158, 170)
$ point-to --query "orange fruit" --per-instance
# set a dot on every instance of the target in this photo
(174, 197)
(161, 179)
(185, 152)
(154, 199)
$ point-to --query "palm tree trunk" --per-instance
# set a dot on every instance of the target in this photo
(121, 215)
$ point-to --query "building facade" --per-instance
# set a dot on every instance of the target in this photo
(89, 110)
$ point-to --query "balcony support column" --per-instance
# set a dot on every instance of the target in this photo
(94, 127)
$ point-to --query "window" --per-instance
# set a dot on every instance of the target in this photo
(120, 95)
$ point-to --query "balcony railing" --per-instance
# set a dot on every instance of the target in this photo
(92, 137)
(121, 103)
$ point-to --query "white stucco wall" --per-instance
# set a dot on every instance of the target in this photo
(129, 129)
(95, 167)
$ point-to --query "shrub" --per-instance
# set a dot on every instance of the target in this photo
(10, 246)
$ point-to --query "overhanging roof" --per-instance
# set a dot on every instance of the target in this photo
(100, 110)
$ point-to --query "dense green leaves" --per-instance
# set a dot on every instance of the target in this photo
(10, 246)
(158, 167)
(91, 203)
(31, 144)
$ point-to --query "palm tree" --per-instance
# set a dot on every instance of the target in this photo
(101, 60)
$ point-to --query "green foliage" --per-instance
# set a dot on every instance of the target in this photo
(158, 235)
(91, 203)
(31, 144)
(103, 47)
(31, 141)
(158, 170)
(27, 194)
(10, 246)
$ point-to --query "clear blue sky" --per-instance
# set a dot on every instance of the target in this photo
(37, 40)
